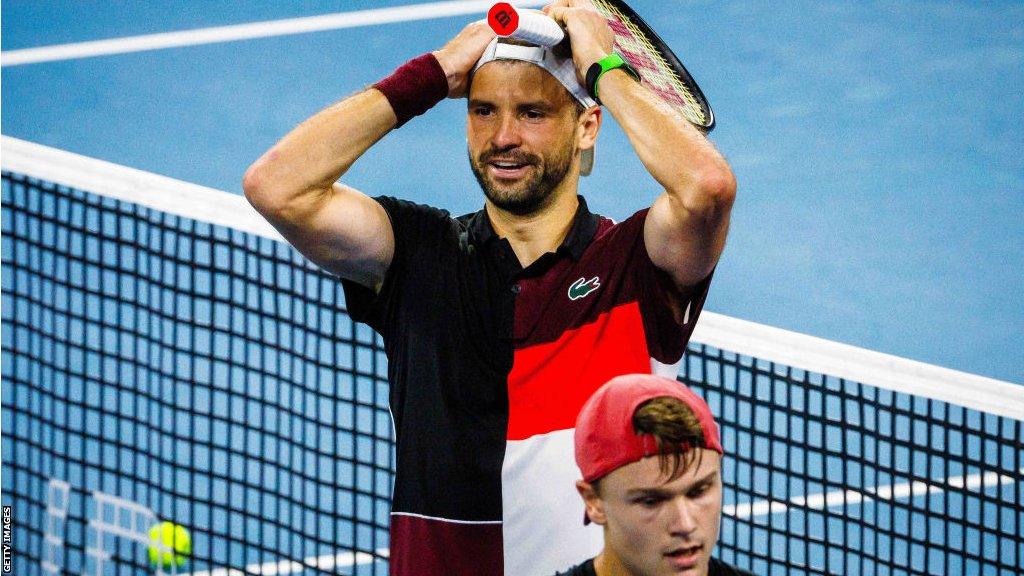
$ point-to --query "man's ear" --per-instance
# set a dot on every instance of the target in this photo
(592, 502)
(588, 125)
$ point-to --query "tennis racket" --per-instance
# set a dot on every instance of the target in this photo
(659, 68)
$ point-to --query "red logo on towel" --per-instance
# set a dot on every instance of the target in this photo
(503, 18)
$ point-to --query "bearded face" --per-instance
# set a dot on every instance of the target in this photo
(521, 134)
(520, 182)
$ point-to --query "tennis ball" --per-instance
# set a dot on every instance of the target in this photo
(178, 545)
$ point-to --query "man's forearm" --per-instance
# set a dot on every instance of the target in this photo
(320, 150)
(687, 225)
(676, 153)
(316, 154)
(313, 156)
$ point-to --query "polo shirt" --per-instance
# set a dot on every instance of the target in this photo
(489, 364)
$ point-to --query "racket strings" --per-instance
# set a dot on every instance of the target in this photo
(659, 75)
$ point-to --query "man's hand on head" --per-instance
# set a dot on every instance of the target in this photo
(461, 53)
(589, 34)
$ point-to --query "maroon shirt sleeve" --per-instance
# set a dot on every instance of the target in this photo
(661, 301)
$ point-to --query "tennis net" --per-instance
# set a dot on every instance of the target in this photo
(166, 356)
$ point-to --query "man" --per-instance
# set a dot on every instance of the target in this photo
(498, 325)
(651, 459)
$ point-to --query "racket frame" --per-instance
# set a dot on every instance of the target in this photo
(670, 58)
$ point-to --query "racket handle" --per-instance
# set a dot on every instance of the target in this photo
(535, 27)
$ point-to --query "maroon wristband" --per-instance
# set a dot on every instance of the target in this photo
(414, 87)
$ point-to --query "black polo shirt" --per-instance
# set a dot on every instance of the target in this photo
(489, 364)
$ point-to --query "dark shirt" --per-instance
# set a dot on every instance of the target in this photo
(715, 568)
(489, 363)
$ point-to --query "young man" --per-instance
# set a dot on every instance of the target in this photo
(498, 325)
(651, 459)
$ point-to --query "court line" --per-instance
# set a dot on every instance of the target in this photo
(752, 509)
(821, 501)
(855, 497)
(326, 562)
(249, 31)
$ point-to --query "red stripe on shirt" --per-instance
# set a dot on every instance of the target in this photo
(550, 382)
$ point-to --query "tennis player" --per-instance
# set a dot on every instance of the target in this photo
(498, 325)
(651, 459)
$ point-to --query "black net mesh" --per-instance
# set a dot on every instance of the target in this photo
(210, 376)
(159, 368)
(828, 476)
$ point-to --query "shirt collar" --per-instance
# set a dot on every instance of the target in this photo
(584, 226)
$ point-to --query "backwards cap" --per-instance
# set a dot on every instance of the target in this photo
(605, 437)
(562, 69)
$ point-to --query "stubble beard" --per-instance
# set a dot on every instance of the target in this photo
(530, 194)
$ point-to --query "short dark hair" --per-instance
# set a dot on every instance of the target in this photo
(563, 50)
(580, 108)
(676, 431)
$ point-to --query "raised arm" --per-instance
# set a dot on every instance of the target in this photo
(686, 227)
(294, 184)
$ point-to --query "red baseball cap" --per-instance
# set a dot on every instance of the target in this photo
(605, 437)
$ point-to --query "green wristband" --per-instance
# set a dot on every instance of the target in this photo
(606, 64)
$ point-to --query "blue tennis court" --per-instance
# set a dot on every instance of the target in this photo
(880, 203)
(876, 145)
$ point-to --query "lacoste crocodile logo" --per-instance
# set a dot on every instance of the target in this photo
(583, 287)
